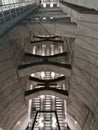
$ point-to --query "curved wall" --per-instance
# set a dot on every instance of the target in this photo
(85, 3)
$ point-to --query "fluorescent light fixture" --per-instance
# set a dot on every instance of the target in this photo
(43, 49)
(53, 96)
(44, 5)
(51, 5)
(53, 74)
(61, 74)
(42, 74)
(42, 96)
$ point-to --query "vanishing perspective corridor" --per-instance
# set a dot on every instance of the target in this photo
(48, 65)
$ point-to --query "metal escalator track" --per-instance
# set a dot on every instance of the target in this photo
(48, 110)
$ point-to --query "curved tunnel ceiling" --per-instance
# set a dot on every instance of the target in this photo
(83, 83)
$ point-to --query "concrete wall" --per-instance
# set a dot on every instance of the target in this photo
(12, 103)
(86, 3)
(84, 81)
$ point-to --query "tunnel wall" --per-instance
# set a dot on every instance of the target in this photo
(12, 103)
(86, 3)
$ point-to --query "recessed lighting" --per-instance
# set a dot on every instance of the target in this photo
(44, 18)
(32, 75)
(51, 17)
(42, 96)
(53, 96)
